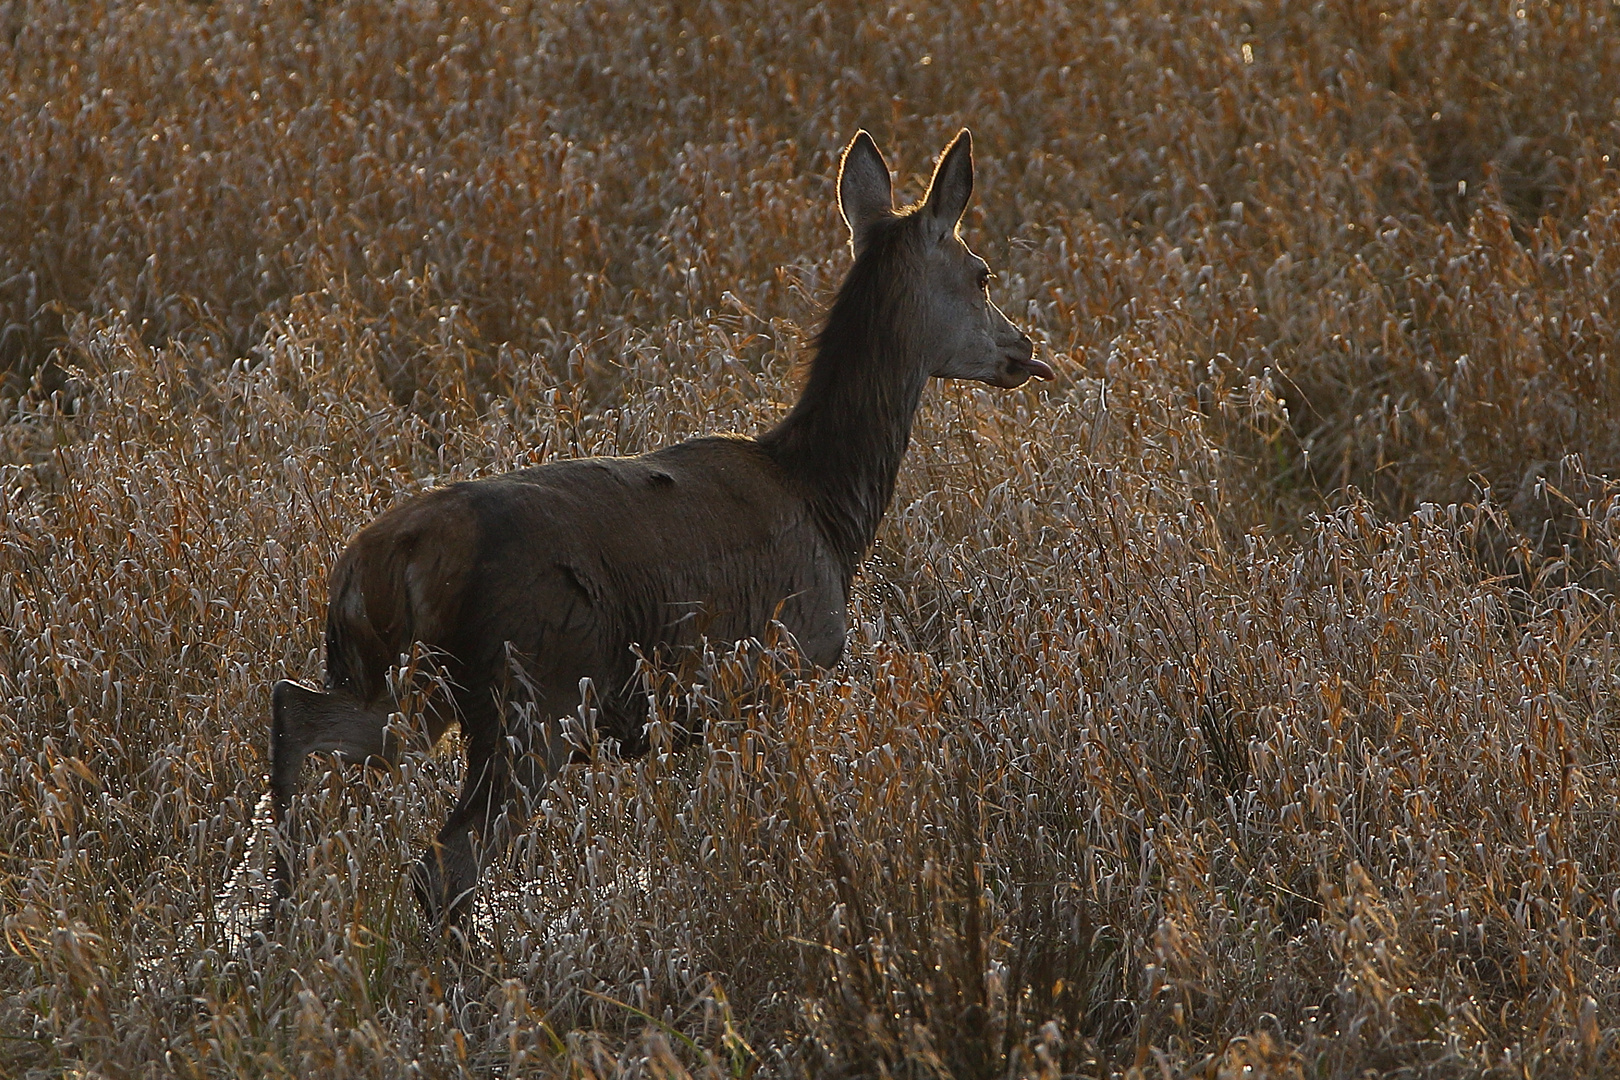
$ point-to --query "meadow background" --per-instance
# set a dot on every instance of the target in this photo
(1244, 699)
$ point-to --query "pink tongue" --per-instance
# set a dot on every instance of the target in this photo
(1038, 368)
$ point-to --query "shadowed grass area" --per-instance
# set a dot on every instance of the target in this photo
(1243, 699)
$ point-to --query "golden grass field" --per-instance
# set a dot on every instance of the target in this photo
(1241, 703)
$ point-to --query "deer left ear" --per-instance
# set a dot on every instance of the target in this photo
(951, 186)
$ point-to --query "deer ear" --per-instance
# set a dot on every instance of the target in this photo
(864, 194)
(948, 191)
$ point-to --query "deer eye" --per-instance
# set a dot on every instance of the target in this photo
(984, 278)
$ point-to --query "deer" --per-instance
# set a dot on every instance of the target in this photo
(574, 567)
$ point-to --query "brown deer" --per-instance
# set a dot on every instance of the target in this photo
(570, 566)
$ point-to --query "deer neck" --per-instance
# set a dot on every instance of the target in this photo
(842, 442)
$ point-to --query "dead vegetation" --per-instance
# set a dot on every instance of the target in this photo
(1242, 700)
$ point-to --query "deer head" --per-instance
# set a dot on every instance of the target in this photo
(956, 325)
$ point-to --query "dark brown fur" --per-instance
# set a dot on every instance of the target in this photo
(571, 565)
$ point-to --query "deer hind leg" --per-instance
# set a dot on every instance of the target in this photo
(506, 764)
(304, 722)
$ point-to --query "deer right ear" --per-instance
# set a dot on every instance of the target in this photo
(864, 194)
(949, 190)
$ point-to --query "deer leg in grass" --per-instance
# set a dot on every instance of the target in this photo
(506, 766)
(304, 722)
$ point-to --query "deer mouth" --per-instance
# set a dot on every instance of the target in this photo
(1029, 365)
(1021, 367)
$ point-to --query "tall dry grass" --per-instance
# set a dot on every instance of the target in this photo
(1243, 700)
